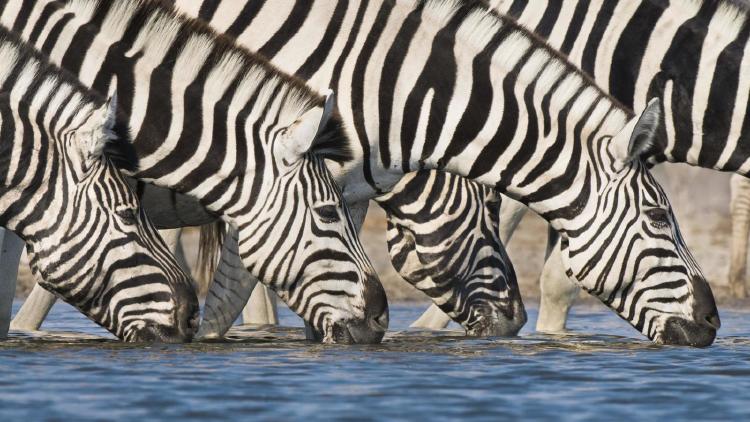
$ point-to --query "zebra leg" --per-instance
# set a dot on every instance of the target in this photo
(11, 247)
(172, 238)
(34, 310)
(558, 292)
(432, 319)
(511, 214)
(261, 308)
(740, 211)
(229, 291)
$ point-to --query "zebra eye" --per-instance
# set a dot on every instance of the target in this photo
(328, 213)
(659, 217)
(127, 215)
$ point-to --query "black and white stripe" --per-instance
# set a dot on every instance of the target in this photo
(221, 125)
(692, 55)
(463, 266)
(87, 239)
(443, 84)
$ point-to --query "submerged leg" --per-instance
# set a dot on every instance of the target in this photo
(229, 291)
(432, 319)
(11, 247)
(261, 308)
(557, 290)
(740, 211)
(34, 310)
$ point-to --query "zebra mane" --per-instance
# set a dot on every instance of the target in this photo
(162, 23)
(117, 148)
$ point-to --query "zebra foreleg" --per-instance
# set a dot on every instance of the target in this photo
(740, 211)
(229, 291)
(34, 310)
(432, 319)
(261, 308)
(558, 292)
(11, 247)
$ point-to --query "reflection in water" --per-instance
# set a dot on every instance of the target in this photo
(273, 373)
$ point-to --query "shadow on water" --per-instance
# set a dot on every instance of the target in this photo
(602, 368)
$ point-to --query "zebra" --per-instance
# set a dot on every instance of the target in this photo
(690, 54)
(249, 149)
(468, 274)
(87, 239)
(468, 92)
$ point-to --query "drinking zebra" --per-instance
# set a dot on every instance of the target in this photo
(467, 92)
(222, 126)
(690, 54)
(467, 274)
(87, 239)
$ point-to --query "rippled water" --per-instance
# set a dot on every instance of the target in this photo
(274, 374)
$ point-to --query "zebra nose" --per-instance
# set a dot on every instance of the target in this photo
(187, 315)
(376, 303)
(145, 334)
(713, 321)
(704, 308)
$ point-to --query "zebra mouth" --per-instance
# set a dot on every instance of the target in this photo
(151, 333)
(352, 332)
(681, 332)
(490, 322)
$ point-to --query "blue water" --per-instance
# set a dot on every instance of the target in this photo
(606, 371)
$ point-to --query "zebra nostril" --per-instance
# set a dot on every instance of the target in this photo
(381, 321)
(713, 320)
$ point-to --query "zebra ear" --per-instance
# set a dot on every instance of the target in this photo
(106, 139)
(300, 136)
(638, 140)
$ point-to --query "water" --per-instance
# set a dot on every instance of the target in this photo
(80, 371)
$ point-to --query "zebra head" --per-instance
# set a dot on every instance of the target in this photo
(625, 245)
(103, 255)
(440, 245)
(299, 239)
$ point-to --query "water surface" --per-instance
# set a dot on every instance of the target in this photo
(604, 371)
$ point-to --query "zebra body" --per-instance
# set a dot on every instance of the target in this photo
(692, 55)
(87, 239)
(467, 92)
(221, 125)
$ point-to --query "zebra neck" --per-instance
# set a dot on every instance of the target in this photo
(184, 89)
(691, 54)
